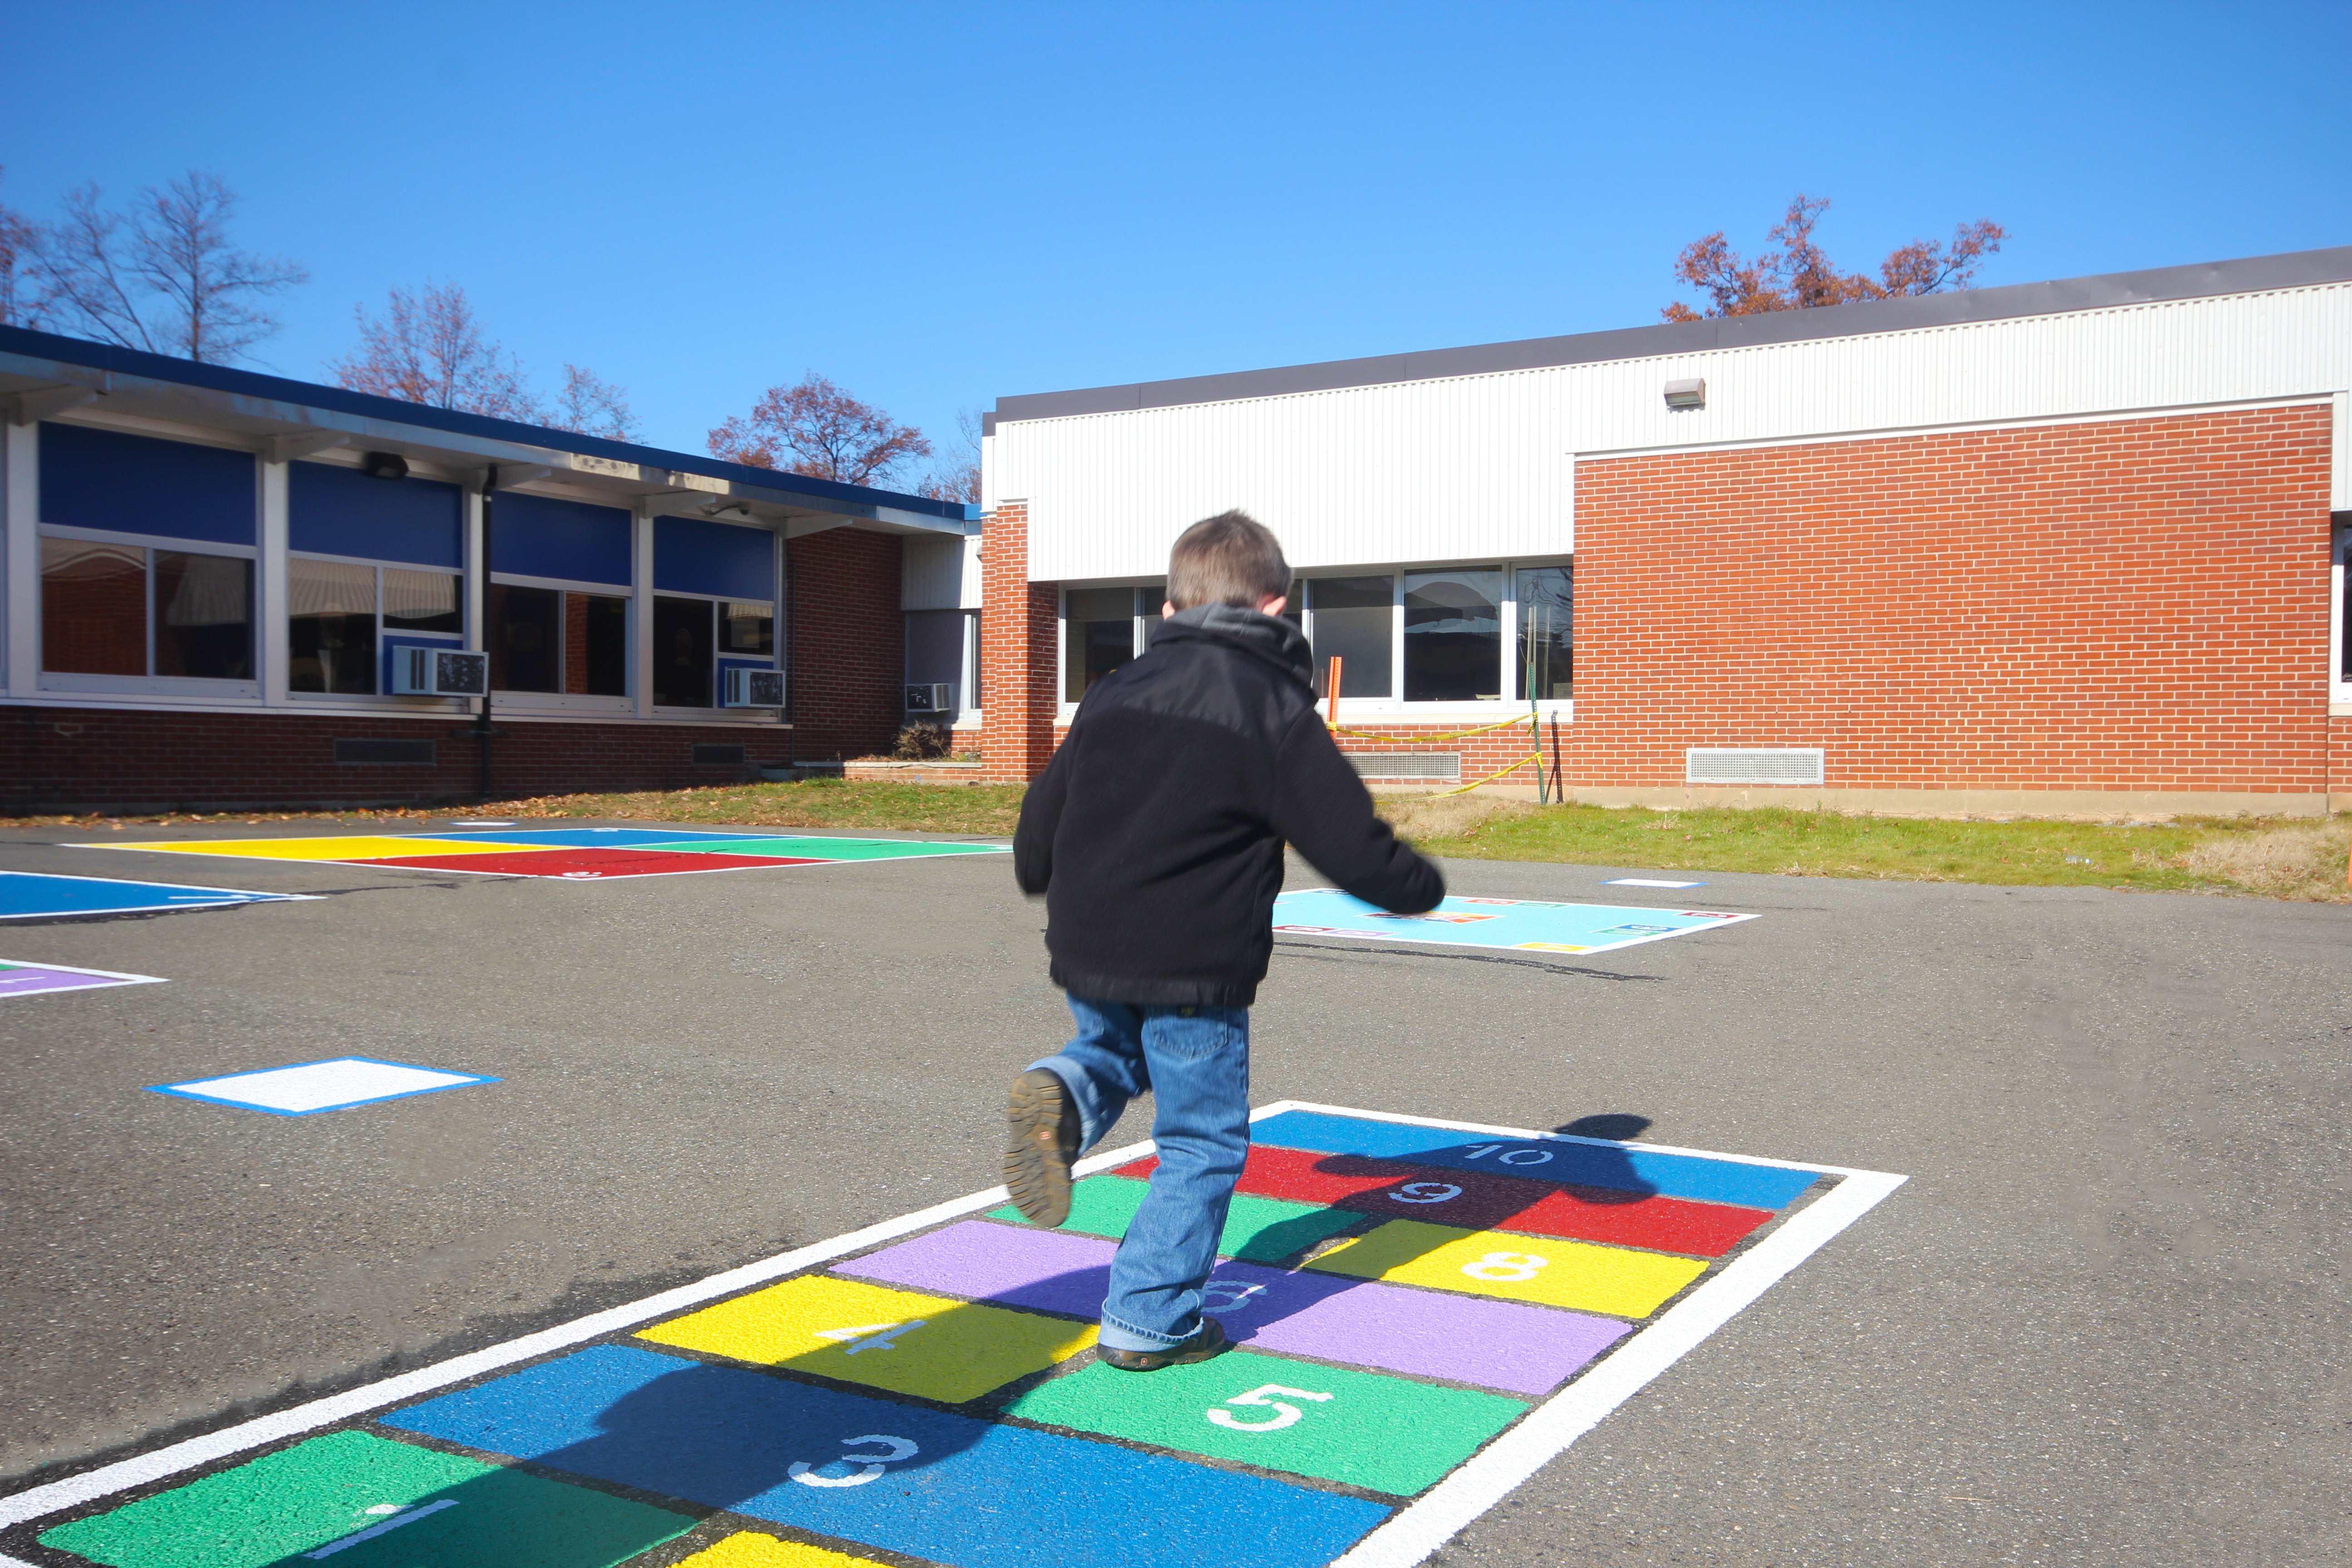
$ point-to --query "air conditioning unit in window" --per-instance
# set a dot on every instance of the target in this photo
(439, 672)
(938, 697)
(753, 687)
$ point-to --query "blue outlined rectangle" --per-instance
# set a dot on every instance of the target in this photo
(1587, 1163)
(307, 1088)
(951, 1488)
(1526, 924)
(37, 895)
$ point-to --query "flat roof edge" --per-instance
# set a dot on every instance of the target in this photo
(2200, 281)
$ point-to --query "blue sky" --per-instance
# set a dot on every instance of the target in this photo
(938, 203)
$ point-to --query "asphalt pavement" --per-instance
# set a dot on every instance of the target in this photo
(2106, 1322)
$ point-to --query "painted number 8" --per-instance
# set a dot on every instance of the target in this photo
(1505, 1265)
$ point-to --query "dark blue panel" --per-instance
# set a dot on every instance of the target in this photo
(342, 511)
(1622, 1169)
(136, 484)
(538, 536)
(730, 1438)
(691, 556)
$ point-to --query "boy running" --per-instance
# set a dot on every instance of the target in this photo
(1156, 836)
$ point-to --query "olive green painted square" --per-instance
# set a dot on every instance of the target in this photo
(1260, 1230)
(285, 1505)
(1381, 1433)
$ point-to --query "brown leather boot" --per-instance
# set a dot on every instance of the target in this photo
(1208, 1339)
(1044, 1140)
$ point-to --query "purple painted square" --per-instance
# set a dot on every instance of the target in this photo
(31, 979)
(1426, 1334)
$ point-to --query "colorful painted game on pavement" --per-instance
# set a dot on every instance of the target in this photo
(30, 895)
(1526, 924)
(33, 979)
(1425, 1315)
(572, 854)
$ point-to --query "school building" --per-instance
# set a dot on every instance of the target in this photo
(2068, 547)
(220, 589)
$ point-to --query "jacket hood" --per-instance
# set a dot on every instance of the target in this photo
(1268, 637)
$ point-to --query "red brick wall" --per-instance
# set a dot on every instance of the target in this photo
(82, 759)
(1017, 640)
(848, 653)
(2133, 605)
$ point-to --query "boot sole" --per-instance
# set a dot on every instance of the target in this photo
(1036, 1168)
(1153, 1361)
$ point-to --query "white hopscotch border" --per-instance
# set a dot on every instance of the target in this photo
(1408, 1537)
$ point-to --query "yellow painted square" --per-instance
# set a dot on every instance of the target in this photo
(1554, 947)
(899, 1340)
(749, 1549)
(371, 846)
(1518, 1267)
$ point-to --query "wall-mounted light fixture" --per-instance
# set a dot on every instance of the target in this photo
(385, 466)
(1691, 394)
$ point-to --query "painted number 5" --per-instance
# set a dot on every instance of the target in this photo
(1283, 1415)
(868, 1465)
(1505, 1265)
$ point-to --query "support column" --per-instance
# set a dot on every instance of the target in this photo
(270, 589)
(1019, 637)
(20, 556)
(641, 612)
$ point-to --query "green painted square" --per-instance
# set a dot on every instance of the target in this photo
(1259, 1230)
(283, 1506)
(1382, 1433)
(830, 848)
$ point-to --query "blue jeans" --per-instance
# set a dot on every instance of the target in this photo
(1195, 1062)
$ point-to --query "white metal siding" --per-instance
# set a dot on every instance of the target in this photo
(941, 575)
(1481, 468)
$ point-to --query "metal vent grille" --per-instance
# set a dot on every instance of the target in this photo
(1752, 765)
(383, 751)
(1407, 764)
(714, 757)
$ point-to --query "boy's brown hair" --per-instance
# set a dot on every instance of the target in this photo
(1229, 559)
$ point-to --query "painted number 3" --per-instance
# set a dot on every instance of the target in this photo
(1283, 1415)
(1505, 1265)
(868, 1465)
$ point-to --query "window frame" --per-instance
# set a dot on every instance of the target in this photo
(719, 657)
(2339, 637)
(967, 711)
(1147, 613)
(380, 697)
(192, 687)
(578, 701)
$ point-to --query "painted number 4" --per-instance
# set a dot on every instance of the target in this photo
(1283, 1415)
(1505, 1265)
(868, 1465)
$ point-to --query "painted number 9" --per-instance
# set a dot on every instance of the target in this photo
(1425, 1193)
(1505, 1265)
(1283, 1415)
(868, 1465)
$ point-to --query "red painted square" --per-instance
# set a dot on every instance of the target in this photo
(1400, 1190)
(585, 865)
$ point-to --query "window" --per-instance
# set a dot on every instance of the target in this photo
(682, 653)
(1453, 636)
(747, 629)
(1103, 629)
(123, 609)
(340, 615)
(1546, 606)
(1353, 620)
(596, 645)
(557, 640)
(942, 647)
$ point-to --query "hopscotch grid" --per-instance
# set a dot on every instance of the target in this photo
(177, 1091)
(1419, 1528)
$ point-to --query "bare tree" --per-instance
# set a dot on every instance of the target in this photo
(593, 407)
(20, 292)
(428, 348)
(958, 478)
(166, 278)
(816, 428)
(1799, 277)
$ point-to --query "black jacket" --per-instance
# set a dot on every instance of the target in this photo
(1156, 833)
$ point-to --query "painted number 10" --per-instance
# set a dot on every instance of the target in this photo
(1283, 1415)
(1510, 1156)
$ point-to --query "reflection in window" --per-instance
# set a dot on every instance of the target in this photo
(940, 645)
(1353, 619)
(93, 608)
(420, 600)
(746, 627)
(1453, 636)
(204, 615)
(682, 653)
(596, 645)
(1546, 619)
(1099, 636)
(330, 626)
(526, 639)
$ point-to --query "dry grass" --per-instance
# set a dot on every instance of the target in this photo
(2285, 862)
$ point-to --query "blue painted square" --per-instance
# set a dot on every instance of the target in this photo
(307, 1088)
(903, 1478)
(31, 895)
(1622, 1167)
(591, 837)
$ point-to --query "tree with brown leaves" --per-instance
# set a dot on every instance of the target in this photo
(428, 348)
(1799, 277)
(814, 427)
